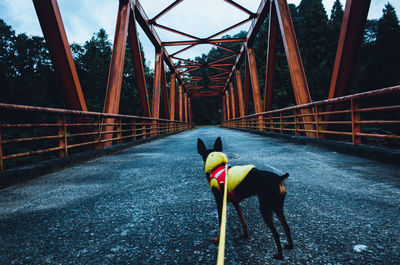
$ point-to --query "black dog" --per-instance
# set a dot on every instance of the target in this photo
(267, 185)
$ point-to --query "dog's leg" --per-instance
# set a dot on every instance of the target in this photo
(267, 215)
(218, 200)
(241, 218)
(281, 217)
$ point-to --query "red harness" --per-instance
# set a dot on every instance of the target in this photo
(219, 173)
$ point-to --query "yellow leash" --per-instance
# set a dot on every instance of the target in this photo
(221, 246)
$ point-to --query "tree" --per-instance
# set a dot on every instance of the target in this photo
(384, 66)
(315, 49)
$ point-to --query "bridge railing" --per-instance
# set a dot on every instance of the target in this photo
(371, 117)
(31, 134)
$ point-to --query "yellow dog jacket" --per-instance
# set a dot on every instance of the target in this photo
(216, 166)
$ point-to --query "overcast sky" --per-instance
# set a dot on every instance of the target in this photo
(201, 18)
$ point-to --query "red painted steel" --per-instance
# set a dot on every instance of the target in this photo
(247, 87)
(53, 29)
(180, 103)
(254, 80)
(271, 54)
(228, 105)
(296, 69)
(351, 33)
(232, 100)
(251, 14)
(202, 41)
(288, 120)
(113, 92)
(157, 84)
(240, 93)
(262, 13)
(172, 93)
(138, 64)
(185, 98)
(166, 10)
(61, 127)
(164, 90)
(223, 107)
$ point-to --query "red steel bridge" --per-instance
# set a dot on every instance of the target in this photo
(362, 118)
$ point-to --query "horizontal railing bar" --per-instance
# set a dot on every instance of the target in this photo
(32, 153)
(19, 140)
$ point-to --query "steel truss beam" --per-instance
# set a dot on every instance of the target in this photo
(271, 54)
(113, 92)
(53, 30)
(350, 39)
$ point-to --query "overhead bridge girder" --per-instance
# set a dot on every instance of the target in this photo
(227, 83)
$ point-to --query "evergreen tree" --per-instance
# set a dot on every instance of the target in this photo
(335, 24)
(315, 50)
(384, 65)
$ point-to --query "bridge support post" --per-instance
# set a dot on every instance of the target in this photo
(255, 85)
(239, 93)
(232, 100)
(157, 84)
(355, 121)
(228, 107)
(56, 40)
(223, 108)
(62, 133)
(271, 54)
(296, 69)
(165, 93)
(247, 86)
(138, 64)
(254, 79)
(113, 93)
(190, 110)
(186, 106)
(180, 102)
(350, 39)
(158, 64)
(172, 93)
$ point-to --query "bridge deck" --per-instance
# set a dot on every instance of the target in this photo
(150, 204)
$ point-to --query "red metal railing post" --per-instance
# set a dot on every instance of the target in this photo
(119, 131)
(271, 122)
(317, 119)
(1, 151)
(98, 145)
(62, 133)
(134, 130)
(355, 121)
(296, 125)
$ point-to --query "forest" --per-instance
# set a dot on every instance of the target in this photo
(27, 75)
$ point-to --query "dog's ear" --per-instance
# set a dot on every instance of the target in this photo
(218, 145)
(201, 147)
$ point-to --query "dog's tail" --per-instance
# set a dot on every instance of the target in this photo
(283, 177)
(282, 188)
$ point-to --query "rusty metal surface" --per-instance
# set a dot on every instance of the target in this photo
(293, 120)
(157, 84)
(271, 54)
(350, 39)
(254, 79)
(138, 65)
(60, 52)
(60, 136)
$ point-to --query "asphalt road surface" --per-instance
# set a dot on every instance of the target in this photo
(151, 204)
